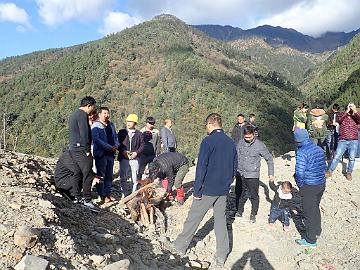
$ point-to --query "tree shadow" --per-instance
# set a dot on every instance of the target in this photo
(266, 191)
(257, 261)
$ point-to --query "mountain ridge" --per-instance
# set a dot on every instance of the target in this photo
(279, 36)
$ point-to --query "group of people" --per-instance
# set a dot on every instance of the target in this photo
(94, 142)
(336, 132)
(220, 160)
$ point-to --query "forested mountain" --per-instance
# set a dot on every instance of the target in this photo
(337, 79)
(278, 36)
(162, 68)
(288, 62)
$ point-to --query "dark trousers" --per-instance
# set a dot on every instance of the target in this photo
(249, 190)
(104, 168)
(85, 164)
(196, 213)
(277, 213)
(311, 197)
(143, 161)
(70, 185)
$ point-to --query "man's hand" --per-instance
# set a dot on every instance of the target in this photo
(96, 180)
(113, 149)
(133, 155)
(353, 107)
(271, 178)
(197, 198)
(295, 212)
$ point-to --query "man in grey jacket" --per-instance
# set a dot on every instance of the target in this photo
(250, 150)
(168, 138)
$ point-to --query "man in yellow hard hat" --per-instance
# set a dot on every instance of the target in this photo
(131, 146)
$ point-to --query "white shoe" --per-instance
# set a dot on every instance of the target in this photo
(91, 206)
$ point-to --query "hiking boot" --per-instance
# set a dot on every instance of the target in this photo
(328, 174)
(348, 176)
(252, 218)
(180, 195)
(304, 243)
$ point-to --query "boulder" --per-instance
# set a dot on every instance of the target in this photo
(29, 262)
(26, 237)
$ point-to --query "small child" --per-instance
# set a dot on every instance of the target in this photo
(281, 204)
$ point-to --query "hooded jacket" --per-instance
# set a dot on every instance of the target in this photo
(310, 165)
(101, 145)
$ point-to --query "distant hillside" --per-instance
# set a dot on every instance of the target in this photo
(278, 36)
(162, 68)
(337, 79)
(286, 61)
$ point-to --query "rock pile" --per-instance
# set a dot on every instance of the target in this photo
(41, 229)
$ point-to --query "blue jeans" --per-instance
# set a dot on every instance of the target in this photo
(343, 145)
(277, 213)
(104, 168)
(332, 142)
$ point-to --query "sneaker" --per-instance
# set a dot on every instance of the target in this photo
(304, 243)
(90, 206)
(348, 176)
(328, 174)
(286, 228)
(252, 218)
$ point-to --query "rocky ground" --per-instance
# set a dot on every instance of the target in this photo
(35, 220)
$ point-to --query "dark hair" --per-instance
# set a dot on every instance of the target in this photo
(87, 101)
(214, 119)
(240, 114)
(249, 129)
(287, 184)
(154, 170)
(150, 120)
(303, 105)
(103, 109)
(336, 107)
(251, 115)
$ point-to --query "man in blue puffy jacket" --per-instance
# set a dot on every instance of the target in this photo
(310, 177)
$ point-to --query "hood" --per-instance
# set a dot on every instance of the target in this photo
(98, 124)
(303, 143)
(317, 112)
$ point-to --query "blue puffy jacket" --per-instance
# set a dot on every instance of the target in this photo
(310, 164)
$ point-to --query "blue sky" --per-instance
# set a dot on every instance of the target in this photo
(31, 25)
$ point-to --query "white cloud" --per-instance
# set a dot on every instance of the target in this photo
(316, 17)
(117, 21)
(54, 12)
(9, 12)
(309, 16)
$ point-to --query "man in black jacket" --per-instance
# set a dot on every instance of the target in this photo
(238, 131)
(68, 176)
(173, 167)
(80, 144)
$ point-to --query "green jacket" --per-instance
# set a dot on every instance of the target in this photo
(316, 124)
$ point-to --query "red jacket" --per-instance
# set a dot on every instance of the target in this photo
(348, 126)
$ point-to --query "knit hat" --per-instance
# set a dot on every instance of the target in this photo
(301, 135)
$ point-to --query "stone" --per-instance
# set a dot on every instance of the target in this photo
(5, 228)
(45, 204)
(120, 265)
(97, 259)
(30, 262)
(31, 180)
(26, 237)
(16, 206)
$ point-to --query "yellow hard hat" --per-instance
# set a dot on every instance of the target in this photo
(132, 118)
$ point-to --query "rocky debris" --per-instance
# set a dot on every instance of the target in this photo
(30, 262)
(26, 237)
(73, 237)
(120, 265)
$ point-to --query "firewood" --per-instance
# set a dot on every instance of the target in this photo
(144, 215)
(160, 220)
(151, 214)
(134, 194)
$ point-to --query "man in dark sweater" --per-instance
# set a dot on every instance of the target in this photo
(80, 144)
(171, 167)
(238, 131)
(215, 170)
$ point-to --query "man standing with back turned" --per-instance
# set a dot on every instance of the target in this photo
(215, 170)
(80, 143)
